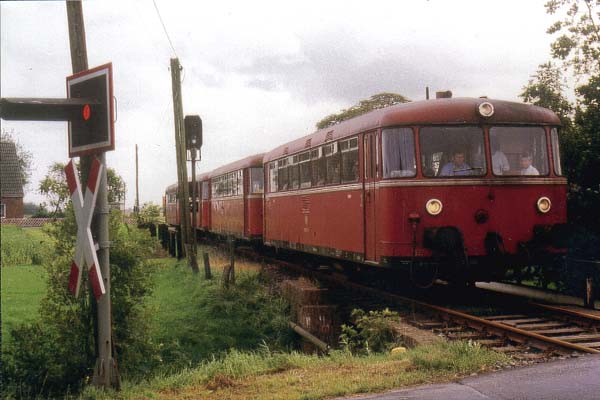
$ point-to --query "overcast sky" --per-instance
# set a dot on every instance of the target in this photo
(258, 73)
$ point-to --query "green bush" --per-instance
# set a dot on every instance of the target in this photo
(56, 355)
(370, 332)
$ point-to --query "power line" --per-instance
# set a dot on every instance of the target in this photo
(164, 28)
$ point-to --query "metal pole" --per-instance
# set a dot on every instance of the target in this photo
(194, 205)
(105, 371)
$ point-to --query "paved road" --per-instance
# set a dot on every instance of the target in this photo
(577, 378)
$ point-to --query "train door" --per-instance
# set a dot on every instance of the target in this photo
(370, 176)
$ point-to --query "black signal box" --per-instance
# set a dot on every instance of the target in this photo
(93, 130)
(193, 132)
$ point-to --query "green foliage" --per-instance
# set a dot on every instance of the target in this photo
(545, 89)
(116, 186)
(56, 354)
(54, 187)
(23, 247)
(370, 332)
(201, 319)
(377, 101)
(25, 157)
(459, 357)
(150, 215)
(579, 43)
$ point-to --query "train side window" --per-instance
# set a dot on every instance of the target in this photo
(398, 152)
(256, 180)
(349, 151)
(333, 158)
(205, 191)
(240, 182)
(294, 169)
(305, 170)
(273, 176)
(556, 151)
(282, 175)
(228, 185)
(318, 167)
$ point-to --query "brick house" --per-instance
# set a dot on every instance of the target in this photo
(11, 186)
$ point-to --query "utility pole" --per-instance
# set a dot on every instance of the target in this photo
(183, 191)
(137, 187)
(105, 371)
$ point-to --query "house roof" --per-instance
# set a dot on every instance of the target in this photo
(10, 177)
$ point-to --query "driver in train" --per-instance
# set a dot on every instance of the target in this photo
(457, 167)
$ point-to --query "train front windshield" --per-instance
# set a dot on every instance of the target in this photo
(451, 151)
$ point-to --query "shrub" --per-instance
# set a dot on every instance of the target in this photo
(56, 354)
(370, 332)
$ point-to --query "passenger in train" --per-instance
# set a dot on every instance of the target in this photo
(457, 167)
(526, 167)
(499, 161)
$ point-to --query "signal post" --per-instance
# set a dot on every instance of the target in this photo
(89, 110)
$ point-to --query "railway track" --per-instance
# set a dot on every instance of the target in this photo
(546, 328)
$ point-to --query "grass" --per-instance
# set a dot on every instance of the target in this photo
(23, 287)
(231, 344)
(267, 375)
(24, 246)
(194, 318)
(23, 278)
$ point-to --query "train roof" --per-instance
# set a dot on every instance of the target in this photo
(427, 112)
(202, 177)
(251, 161)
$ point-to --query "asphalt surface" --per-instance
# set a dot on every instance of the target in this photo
(576, 378)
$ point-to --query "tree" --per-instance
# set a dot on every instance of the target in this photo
(579, 44)
(149, 215)
(25, 157)
(116, 186)
(545, 89)
(54, 187)
(377, 101)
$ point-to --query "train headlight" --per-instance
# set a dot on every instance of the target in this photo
(486, 109)
(434, 206)
(544, 205)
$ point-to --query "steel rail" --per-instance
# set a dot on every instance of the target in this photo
(573, 313)
(496, 328)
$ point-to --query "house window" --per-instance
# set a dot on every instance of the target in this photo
(3, 210)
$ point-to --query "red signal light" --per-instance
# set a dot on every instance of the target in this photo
(87, 112)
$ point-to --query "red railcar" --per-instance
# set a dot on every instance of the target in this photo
(463, 187)
(236, 199)
(471, 186)
(172, 213)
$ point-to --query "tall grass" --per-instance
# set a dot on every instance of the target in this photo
(24, 246)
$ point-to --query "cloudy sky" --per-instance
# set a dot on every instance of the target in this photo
(259, 73)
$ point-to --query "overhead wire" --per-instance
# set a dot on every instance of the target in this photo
(164, 28)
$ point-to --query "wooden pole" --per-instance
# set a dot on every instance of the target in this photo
(183, 188)
(207, 273)
(137, 186)
(106, 373)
